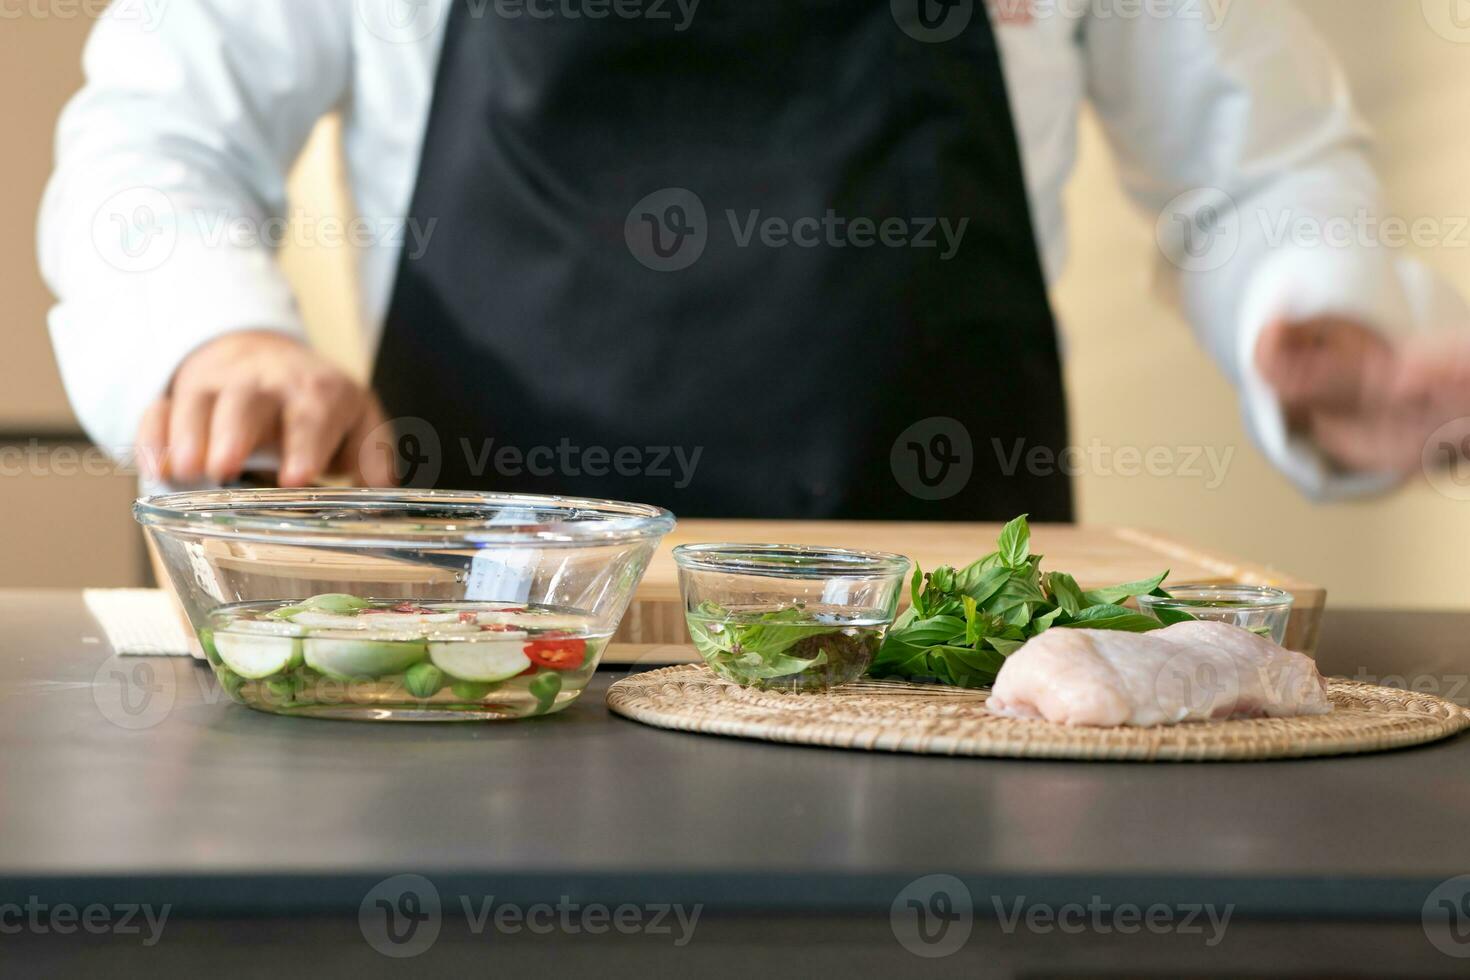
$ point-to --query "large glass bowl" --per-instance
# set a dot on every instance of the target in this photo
(402, 604)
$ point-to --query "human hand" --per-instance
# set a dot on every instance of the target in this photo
(255, 389)
(1368, 404)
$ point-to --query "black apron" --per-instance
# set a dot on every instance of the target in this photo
(708, 268)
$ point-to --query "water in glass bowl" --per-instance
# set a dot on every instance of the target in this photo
(336, 655)
(791, 647)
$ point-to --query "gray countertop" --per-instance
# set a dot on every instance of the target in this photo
(221, 810)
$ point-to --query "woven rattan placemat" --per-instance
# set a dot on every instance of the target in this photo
(888, 716)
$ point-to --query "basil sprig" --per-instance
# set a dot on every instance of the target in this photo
(755, 650)
(963, 624)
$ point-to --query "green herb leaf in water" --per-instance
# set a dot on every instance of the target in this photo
(753, 649)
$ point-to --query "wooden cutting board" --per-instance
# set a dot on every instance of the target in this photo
(653, 630)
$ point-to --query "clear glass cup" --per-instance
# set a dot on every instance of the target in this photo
(402, 604)
(1258, 608)
(788, 617)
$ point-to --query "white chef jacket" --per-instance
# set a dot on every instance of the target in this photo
(1230, 121)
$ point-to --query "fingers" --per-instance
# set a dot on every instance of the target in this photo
(188, 434)
(1328, 364)
(153, 439)
(364, 463)
(245, 418)
(314, 424)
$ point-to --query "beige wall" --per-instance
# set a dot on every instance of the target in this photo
(1137, 379)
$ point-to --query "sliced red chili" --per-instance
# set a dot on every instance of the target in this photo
(557, 652)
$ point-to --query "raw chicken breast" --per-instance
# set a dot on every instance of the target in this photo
(1187, 672)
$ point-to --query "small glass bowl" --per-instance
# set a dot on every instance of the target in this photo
(1258, 608)
(788, 617)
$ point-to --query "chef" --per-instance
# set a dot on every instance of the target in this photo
(782, 259)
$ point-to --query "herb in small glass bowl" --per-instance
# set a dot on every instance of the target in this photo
(788, 618)
(793, 648)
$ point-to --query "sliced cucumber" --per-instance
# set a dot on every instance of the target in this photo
(206, 643)
(487, 661)
(254, 657)
(267, 627)
(335, 602)
(549, 621)
(321, 620)
(347, 656)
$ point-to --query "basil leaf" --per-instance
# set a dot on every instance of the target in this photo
(1111, 617)
(1118, 593)
(1020, 588)
(1040, 624)
(974, 625)
(986, 584)
(967, 667)
(961, 625)
(1066, 592)
(927, 632)
(1003, 646)
(1015, 542)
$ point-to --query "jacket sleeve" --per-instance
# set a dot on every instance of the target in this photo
(159, 227)
(1233, 124)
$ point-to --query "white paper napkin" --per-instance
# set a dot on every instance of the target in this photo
(143, 622)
